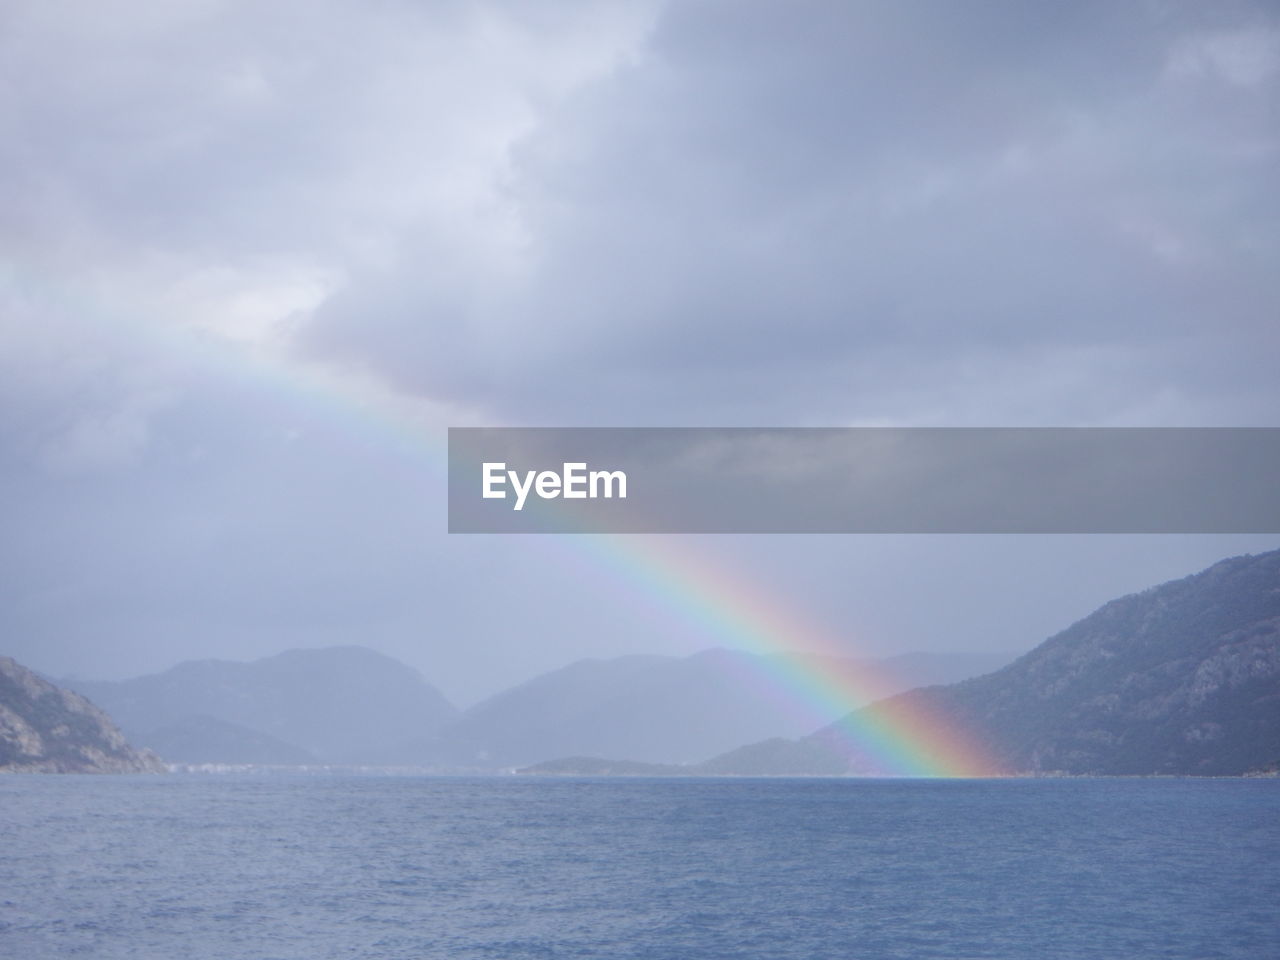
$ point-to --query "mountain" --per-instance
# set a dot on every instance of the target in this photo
(666, 710)
(333, 705)
(200, 738)
(1183, 678)
(46, 729)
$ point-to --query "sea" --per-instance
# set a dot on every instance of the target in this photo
(252, 867)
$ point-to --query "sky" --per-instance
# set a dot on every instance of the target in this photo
(256, 258)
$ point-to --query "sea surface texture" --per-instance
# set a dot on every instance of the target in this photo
(238, 867)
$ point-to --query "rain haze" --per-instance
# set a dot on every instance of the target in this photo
(258, 258)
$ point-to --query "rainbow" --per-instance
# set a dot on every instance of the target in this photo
(803, 664)
(894, 737)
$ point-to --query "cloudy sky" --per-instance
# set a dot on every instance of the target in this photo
(255, 258)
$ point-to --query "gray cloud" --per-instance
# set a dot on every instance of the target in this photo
(254, 258)
(797, 204)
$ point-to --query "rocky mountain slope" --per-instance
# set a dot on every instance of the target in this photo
(1183, 678)
(46, 729)
(345, 705)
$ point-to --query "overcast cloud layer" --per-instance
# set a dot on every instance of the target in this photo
(254, 258)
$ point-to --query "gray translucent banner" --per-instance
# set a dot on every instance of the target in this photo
(864, 480)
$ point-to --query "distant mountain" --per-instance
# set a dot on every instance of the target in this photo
(46, 729)
(333, 705)
(204, 739)
(666, 710)
(1183, 678)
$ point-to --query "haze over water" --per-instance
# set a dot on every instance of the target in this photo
(235, 868)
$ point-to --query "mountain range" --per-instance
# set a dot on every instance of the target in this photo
(1181, 679)
(672, 710)
(339, 705)
(349, 705)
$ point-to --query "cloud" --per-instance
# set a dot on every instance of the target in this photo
(254, 257)
(787, 211)
(1244, 57)
(216, 171)
(695, 212)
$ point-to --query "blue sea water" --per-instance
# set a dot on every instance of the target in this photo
(238, 867)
